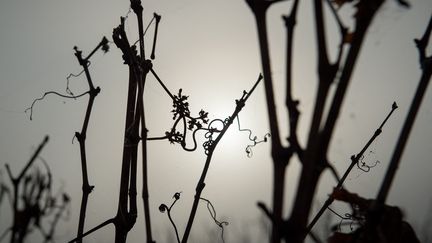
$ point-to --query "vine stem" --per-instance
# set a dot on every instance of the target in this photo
(81, 136)
(354, 161)
(315, 157)
(201, 183)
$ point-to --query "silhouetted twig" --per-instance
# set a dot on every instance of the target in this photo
(354, 160)
(157, 18)
(100, 226)
(125, 219)
(32, 201)
(376, 212)
(211, 148)
(55, 93)
(81, 136)
(163, 208)
(321, 132)
(139, 67)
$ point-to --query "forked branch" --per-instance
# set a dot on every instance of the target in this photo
(354, 160)
(240, 103)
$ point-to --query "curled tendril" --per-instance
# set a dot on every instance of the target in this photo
(68, 90)
(212, 212)
(164, 208)
(54, 93)
(211, 130)
(362, 165)
(253, 139)
(351, 218)
(183, 118)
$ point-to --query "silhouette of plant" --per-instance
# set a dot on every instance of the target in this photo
(338, 73)
(136, 130)
(213, 135)
(81, 136)
(313, 155)
(33, 204)
(355, 160)
(164, 208)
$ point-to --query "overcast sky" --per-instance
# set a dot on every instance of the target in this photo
(210, 49)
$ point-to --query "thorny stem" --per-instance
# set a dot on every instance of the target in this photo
(201, 183)
(354, 161)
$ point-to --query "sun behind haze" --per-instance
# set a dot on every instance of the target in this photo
(209, 49)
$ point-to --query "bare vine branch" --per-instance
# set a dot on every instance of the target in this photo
(354, 160)
(240, 103)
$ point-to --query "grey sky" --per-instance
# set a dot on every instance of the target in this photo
(210, 49)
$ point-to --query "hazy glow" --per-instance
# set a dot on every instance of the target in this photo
(210, 50)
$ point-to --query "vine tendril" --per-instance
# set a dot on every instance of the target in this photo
(68, 91)
(254, 140)
(362, 165)
(55, 93)
(212, 212)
